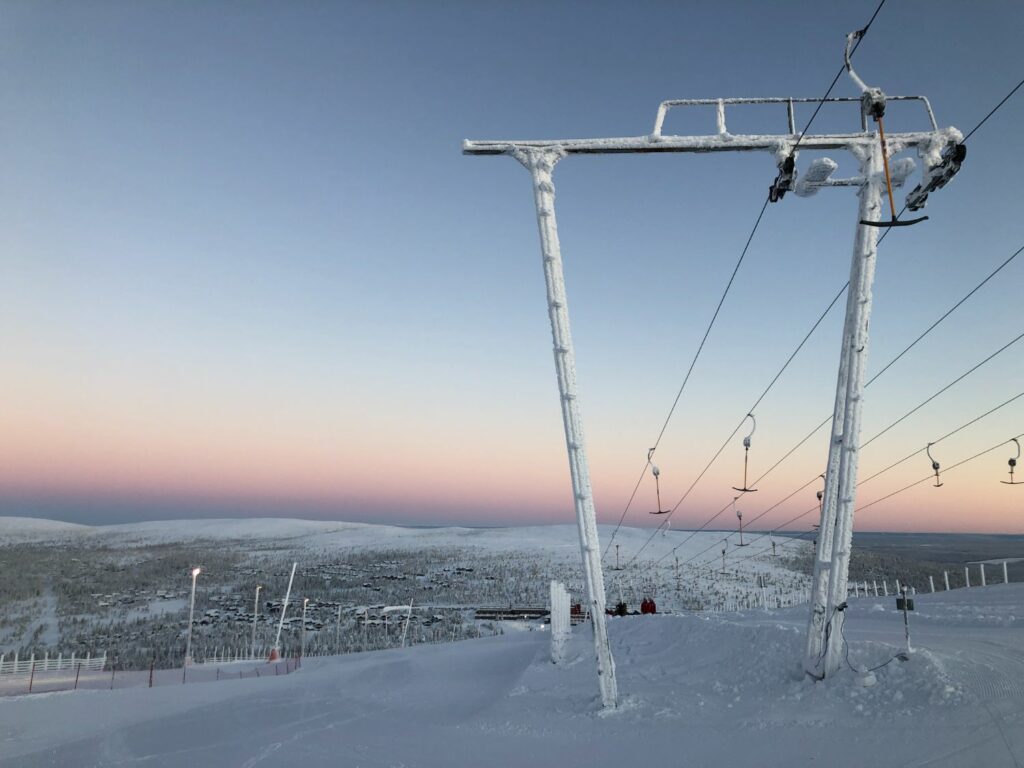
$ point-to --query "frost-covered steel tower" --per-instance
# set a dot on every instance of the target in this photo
(938, 148)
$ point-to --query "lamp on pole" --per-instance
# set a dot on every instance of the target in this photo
(191, 613)
(255, 614)
(302, 649)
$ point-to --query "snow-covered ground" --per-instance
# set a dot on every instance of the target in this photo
(710, 690)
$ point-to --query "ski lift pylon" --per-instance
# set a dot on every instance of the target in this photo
(746, 456)
(1013, 464)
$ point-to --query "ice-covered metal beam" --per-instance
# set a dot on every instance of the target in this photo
(726, 142)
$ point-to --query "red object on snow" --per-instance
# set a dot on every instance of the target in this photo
(274, 655)
(648, 606)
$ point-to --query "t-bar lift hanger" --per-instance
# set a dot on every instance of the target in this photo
(1013, 463)
(746, 456)
(872, 102)
(657, 484)
(935, 465)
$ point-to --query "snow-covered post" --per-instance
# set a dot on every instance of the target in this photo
(337, 633)
(275, 652)
(862, 276)
(874, 585)
(981, 567)
(191, 612)
(255, 614)
(945, 578)
(885, 587)
(302, 642)
(931, 582)
(899, 587)
(906, 620)
(560, 621)
(967, 576)
(834, 543)
(541, 163)
(1006, 575)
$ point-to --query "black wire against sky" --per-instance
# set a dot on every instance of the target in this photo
(948, 386)
(887, 366)
(845, 286)
(892, 466)
(725, 293)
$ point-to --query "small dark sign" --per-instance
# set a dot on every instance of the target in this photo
(904, 603)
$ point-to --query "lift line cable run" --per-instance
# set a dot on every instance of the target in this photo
(955, 381)
(906, 349)
(948, 469)
(911, 485)
(909, 456)
(686, 379)
(876, 501)
(915, 453)
(885, 368)
(777, 504)
(757, 402)
(994, 110)
(791, 159)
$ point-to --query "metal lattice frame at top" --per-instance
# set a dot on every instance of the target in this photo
(941, 151)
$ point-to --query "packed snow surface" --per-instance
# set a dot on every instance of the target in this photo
(696, 690)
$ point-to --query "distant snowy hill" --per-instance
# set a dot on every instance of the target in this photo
(324, 536)
(696, 690)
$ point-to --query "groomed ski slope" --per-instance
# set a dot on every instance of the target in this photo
(717, 690)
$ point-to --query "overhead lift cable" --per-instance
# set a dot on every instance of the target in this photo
(686, 379)
(876, 501)
(782, 501)
(789, 453)
(906, 349)
(773, 196)
(831, 304)
(728, 440)
(883, 236)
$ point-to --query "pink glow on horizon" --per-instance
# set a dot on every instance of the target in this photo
(368, 465)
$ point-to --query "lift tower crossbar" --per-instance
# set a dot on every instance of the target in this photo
(833, 545)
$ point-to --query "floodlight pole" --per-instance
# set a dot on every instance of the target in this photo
(191, 614)
(940, 149)
(540, 163)
(275, 651)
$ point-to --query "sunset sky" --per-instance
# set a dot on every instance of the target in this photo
(245, 269)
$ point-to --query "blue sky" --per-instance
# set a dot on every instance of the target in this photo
(247, 269)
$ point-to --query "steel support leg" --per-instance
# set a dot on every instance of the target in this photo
(865, 253)
(541, 163)
(832, 561)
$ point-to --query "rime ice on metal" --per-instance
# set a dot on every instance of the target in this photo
(937, 147)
